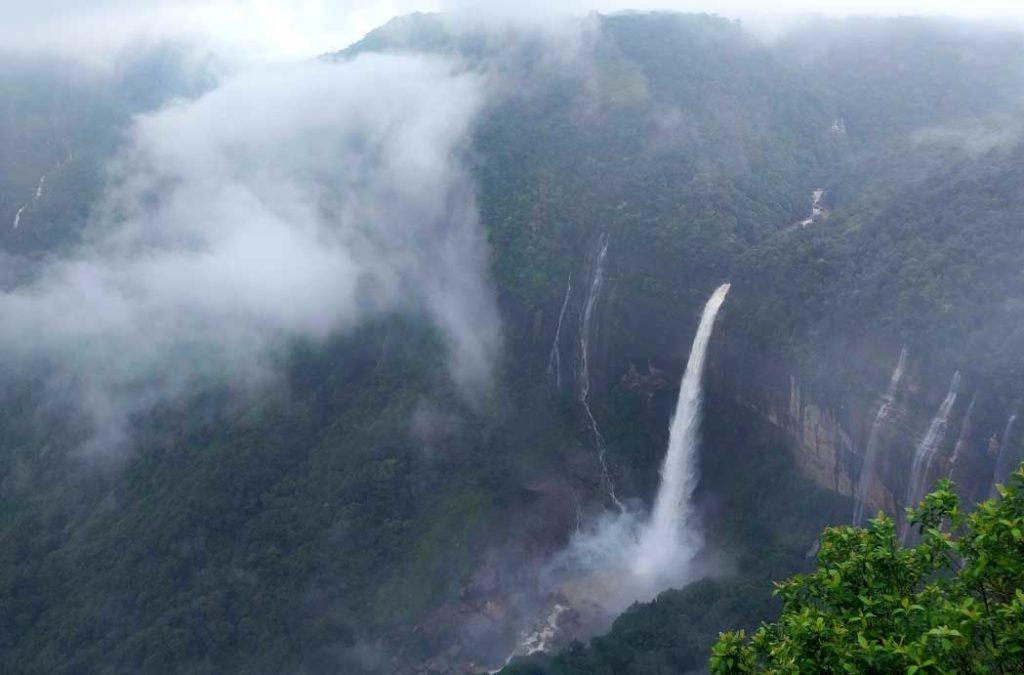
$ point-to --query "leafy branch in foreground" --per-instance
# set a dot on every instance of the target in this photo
(952, 604)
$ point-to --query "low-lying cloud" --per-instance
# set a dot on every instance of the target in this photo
(975, 136)
(288, 202)
(262, 30)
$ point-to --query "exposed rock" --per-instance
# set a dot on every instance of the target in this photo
(644, 384)
(822, 445)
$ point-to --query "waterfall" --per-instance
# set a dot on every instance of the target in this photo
(36, 197)
(926, 451)
(672, 535)
(17, 216)
(1006, 460)
(867, 472)
(961, 441)
(555, 359)
(586, 323)
(816, 209)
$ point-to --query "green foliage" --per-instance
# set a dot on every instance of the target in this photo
(952, 604)
(286, 534)
(671, 634)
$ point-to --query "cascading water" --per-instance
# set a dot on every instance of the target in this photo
(586, 322)
(38, 194)
(961, 442)
(555, 359)
(35, 198)
(618, 559)
(1006, 461)
(926, 450)
(867, 472)
(17, 216)
(671, 535)
(816, 209)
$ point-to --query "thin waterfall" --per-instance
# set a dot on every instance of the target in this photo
(926, 451)
(867, 472)
(555, 359)
(17, 216)
(1006, 460)
(961, 442)
(37, 195)
(35, 198)
(672, 535)
(586, 324)
(816, 209)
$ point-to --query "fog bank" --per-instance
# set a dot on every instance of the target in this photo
(288, 202)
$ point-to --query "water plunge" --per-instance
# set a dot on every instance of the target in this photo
(623, 557)
(672, 536)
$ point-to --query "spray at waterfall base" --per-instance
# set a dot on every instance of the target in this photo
(631, 556)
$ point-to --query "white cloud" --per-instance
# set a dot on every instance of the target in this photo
(263, 30)
(291, 201)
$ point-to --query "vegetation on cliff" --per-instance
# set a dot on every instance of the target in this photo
(952, 604)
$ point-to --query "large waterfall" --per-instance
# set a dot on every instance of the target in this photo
(867, 472)
(672, 536)
(925, 454)
(621, 558)
(555, 359)
(586, 324)
(1006, 461)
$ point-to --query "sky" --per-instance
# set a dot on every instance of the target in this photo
(274, 30)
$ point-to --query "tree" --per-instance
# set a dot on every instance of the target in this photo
(952, 604)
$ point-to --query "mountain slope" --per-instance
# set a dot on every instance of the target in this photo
(361, 514)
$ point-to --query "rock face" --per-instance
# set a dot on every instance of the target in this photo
(644, 384)
(820, 444)
(828, 438)
(826, 448)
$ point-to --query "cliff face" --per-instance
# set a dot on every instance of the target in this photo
(828, 436)
(820, 444)
(822, 447)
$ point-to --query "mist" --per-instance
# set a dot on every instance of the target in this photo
(275, 30)
(247, 278)
(288, 202)
(974, 137)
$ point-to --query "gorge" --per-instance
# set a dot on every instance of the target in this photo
(447, 378)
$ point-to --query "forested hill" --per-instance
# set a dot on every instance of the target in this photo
(361, 513)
